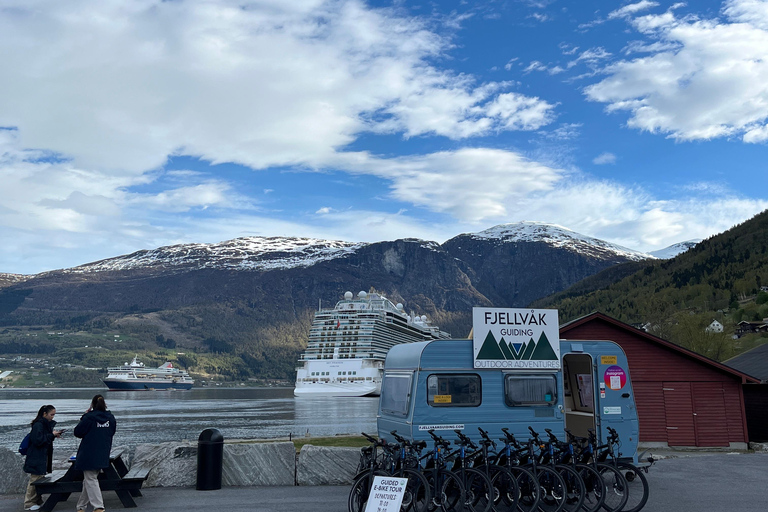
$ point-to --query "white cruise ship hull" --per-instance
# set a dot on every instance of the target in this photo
(348, 344)
(338, 377)
(337, 389)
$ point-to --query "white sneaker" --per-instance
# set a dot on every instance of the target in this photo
(33, 507)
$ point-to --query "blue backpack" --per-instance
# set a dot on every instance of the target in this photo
(24, 446)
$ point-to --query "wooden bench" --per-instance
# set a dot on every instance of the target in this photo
(60, 484)
(139, 472)
(44, 483)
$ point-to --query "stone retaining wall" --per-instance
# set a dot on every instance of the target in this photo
(174, 464)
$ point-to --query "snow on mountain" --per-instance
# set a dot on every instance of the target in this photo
(271, 253)
(247, 253)
(13, 278)
(675, 249)
(558, 236)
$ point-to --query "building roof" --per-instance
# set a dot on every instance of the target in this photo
(745, 377)
(754, 362)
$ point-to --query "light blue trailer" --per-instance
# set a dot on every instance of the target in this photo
(433, 385)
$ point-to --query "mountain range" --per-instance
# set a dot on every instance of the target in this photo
(252, 299)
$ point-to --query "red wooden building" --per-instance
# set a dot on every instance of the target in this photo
(682, 398)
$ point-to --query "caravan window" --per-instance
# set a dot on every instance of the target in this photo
(396, 393)
(530, 390)
(454, 390)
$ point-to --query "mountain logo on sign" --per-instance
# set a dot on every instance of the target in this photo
(529, 351)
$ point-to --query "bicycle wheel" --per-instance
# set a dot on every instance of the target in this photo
(615, 487)
(417, 496)
(553, 490)
(637, 487)
(447, 493)
(528, 487)
(594, 488)
(506, 493)
(478, 489)
(574, 485)
(358, 495)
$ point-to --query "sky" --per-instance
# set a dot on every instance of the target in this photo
(128, 125)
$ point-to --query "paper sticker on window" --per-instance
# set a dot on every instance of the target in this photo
(442, 399)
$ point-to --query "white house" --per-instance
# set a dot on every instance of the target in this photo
(715, 326)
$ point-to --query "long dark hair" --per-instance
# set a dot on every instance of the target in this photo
(43, 410)
(98, 403)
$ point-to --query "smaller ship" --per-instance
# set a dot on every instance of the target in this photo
(135, 376)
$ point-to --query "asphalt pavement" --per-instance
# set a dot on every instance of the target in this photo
(683, 483)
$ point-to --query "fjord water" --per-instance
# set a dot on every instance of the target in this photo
(160, 416)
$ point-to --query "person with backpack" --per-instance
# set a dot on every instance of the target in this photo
(40, 453)
(96, 429)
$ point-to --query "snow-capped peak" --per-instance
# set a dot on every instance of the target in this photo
(557, 236)
(675, 249)
(247, 253)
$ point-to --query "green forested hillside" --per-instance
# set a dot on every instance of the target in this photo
(676, 299)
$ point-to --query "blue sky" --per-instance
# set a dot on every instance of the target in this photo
(131, 125)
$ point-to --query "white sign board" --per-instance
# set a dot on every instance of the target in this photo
(516, 338)
(386, 494)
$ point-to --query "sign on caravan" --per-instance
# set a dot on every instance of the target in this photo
(516, 338)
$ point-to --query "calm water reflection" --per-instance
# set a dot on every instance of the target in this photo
(158, 416)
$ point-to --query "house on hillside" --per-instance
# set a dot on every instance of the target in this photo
(715, 326)
(745, 327)
(682, 398)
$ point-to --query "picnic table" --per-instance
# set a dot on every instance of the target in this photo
(126, 484)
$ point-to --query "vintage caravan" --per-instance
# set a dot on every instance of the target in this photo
(438, 385)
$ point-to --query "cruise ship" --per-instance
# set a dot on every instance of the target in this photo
(348, 344)
(136, 376)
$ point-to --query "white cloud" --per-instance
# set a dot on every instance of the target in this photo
(123, 85)
(604, 158)
(540, 17)
(538, 66)
(752, 12)
(53, 205)
(590, 57)
(631, 9)
(708, 79)
(470, 184)
(510, 62)
(567, 48)
(565, 131)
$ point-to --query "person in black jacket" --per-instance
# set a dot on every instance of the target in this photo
(40, 453)
(96, 429)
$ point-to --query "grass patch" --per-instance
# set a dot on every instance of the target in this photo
(344, 441)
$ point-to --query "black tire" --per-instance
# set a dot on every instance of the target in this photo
(615, 487)
(637, 487)
(594, 488)
(529, 488)
(575, 490)
(447, 494)
(361, 489)
(506, 493)
(417, 497)
(479, 491)
(553, 490)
